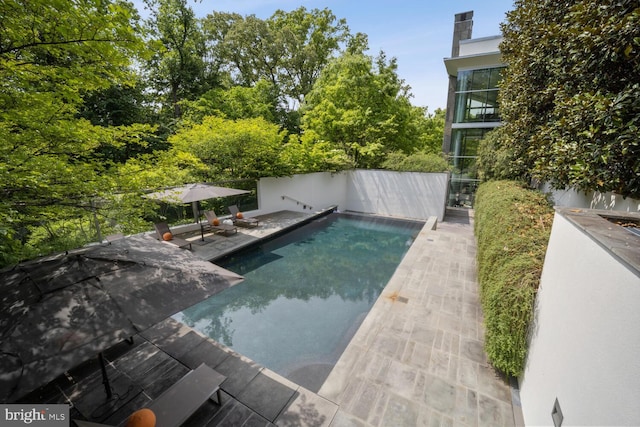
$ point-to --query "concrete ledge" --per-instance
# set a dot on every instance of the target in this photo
(620, 243)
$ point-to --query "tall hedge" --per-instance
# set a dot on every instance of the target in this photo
(512, 226)
(570, 98)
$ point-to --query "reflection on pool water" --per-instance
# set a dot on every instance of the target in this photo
(305, 293)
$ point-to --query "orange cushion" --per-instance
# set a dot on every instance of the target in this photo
(167, 236)
(215, 222)
(239, 215)
(142, 418)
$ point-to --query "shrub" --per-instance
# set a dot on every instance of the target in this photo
(512, 226)
(415, 162)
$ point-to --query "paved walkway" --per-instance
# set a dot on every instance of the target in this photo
(418, 358)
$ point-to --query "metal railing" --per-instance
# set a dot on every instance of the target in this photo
(298, 202)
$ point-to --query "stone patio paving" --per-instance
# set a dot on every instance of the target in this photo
(417, 359)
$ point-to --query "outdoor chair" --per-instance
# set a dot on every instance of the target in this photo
(239, 219)
(165, 235)
(173, 407)
(216, 225)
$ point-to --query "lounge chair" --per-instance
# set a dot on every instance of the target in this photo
(173, 407)
(215, 224)
(240, 220)
(165, 235)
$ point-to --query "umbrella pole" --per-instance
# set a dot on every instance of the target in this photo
(105, 378)
(196, 211)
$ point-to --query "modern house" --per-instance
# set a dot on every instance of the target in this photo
(474, 70)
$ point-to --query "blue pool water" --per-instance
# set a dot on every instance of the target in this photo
(305, 293)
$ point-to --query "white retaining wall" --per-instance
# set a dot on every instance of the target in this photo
(595, 200)
(309, 192)
(402, 194)
(585, 345)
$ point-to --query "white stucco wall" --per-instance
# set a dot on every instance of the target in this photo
(480, 45)
(585, 346)
(401, 194)
(304, 193)
(595, 200)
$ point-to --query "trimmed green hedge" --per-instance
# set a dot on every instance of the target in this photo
(512, 226)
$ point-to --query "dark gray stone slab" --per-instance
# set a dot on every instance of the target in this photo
(239, 374)
(161, 330)
(92, 401)
(147, 368)
(205, 413)
(121, 415)
(232, 414)
(612, 237)
(176, 346)
(205, 352)
(256, 420)
(132, 361)
(266, 396)
(163, 377)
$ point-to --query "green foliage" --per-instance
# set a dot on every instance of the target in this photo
(416, 162)
(52, 54)
(512, 226)
(237, 102)
(363, 109)
(495, 161)
(430, 129)
(288, 50)
(177, 69)
(244, 148)
(571, 96)
(309, 154)
(96, 110)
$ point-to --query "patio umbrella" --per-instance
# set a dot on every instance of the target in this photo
(193, 193)
(60, 311)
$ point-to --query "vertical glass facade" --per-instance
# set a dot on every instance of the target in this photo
(476, 102)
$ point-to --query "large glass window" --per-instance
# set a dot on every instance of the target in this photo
(477, 96)
(463, 157)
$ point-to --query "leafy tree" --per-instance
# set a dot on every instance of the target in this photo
(288, 50)
(571, 97)
(431, 129)
(237, 102)
(244, 148)
(495, 160)
(363, 109)
(308, 154)
(179, 69)
(51, 55)
(309, 40)
(416, 162)
(118, 105)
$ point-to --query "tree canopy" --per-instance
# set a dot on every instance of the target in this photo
(571, 97)
(51, 55)
(362, 107)
(98, 107)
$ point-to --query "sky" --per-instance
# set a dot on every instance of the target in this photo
(417, 33)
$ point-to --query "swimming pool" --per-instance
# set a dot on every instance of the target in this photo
(305, 293)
